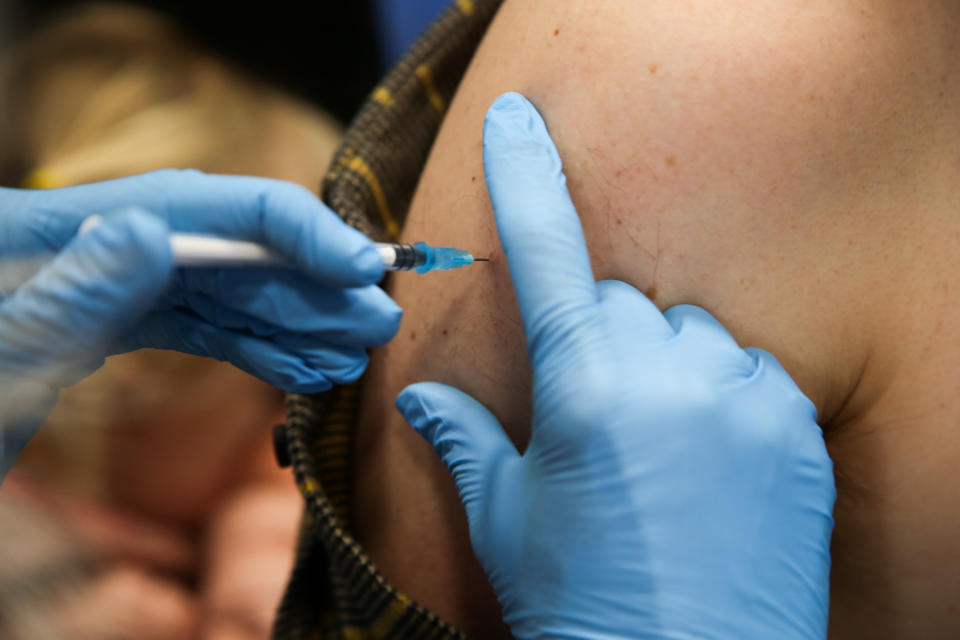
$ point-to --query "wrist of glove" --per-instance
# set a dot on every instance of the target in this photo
(675, 485)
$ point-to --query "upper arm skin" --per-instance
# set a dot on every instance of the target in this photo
(735, 155)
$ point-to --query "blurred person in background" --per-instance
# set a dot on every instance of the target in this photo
(158, 468)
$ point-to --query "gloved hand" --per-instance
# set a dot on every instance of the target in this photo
(67, 301)
(675, 485)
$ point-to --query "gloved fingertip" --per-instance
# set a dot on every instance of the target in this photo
(413, 404)
(410, 407)
(523, 168)
(369, 265)
(284, 371)
(765, 363)
(392, 315)
(509, 107)
(513, 118)
(350, 372)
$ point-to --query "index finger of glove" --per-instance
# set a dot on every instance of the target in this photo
(538, 224)
(286, 217)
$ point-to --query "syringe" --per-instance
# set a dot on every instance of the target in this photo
(195, 250)
(421, 257)
(190, 250)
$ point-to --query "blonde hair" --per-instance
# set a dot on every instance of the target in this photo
(111, 90)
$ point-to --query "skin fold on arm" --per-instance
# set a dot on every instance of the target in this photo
(790, 166)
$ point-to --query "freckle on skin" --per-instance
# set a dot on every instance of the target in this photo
(473, 178)
(651, 292)
(444, 332)
(413, 335)
(556, 32)
(654, 68)
(671, 161)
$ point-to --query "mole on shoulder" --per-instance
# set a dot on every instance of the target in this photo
(413, 335)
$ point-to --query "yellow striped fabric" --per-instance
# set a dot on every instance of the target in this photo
(335, 592)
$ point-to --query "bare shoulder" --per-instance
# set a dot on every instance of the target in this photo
(719, 153)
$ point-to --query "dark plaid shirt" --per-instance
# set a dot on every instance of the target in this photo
(335, 592)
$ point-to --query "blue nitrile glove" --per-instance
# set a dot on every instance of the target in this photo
(67, 301)
(675, 485)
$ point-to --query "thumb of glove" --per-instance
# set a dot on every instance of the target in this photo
(466, 436)
(57, 326)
